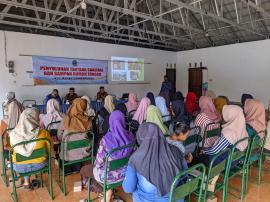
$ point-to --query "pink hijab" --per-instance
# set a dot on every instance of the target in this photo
(207, 106)
(53, 113)
(235, 127)
(132, 103)
(255, 114)
(141, 112)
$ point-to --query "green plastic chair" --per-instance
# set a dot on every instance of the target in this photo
(241, 167)
(4, 166)
(194, 139)
(111, 166)
(218, 169)
(211, 133)
(52, 130)
(256, 155)
(38, 153)
(72, 145)
(192, 184)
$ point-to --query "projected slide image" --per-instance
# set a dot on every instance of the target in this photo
(127, 69)
(119, 76)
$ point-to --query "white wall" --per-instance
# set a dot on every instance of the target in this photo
(234, 69)
(21, 43)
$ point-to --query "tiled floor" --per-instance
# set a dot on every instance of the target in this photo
(255, 194)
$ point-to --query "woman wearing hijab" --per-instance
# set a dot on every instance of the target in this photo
(211, 94)
(244, 97)
(191, 104)
(116, 136)
(255, 117)
(220, 102)
(161, 104)
(104, 113)
(89, 110)
(75, 121)
(207, 115)
(121, 107)
(151, 97)
(53, 114)
(152, 167)
(154, 116)
(28, 129)
(132, 103)
(141, 112)
(14, 109)
(232, 131)
(178, 108)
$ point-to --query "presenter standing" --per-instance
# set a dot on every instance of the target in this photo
(166, 89)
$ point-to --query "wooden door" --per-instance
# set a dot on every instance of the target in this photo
(171, 73)
(195, 81)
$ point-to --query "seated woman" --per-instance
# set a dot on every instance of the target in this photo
(220, 102)
(244, 97)
(104, 114)
(14, 110)
(178, 108)
(151, 97)
(207, 115)
(53, 114)
(152, 167)
(75, 121)
(232, 131)
(191, 105)
(154, 116)
(116, 136)
(211, 94)
(140, 115)
(161, 104)
(28, 129)
(89, 110)
(255, 117)
(132, 103)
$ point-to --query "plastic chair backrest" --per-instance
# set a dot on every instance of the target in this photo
(215, 169)
(178, 192)
(240, 155)
(212, 133)
(195, 138)
(37, 153)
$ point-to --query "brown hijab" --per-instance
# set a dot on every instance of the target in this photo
(75, 119)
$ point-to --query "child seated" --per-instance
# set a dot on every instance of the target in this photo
(180, 134)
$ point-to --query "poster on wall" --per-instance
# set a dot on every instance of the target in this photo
(56, 70)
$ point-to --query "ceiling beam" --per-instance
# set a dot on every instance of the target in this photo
(222, 19)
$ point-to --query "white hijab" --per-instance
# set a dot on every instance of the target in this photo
(53, 113)
(26, 129)
(89, 111)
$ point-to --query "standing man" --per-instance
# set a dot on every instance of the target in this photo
(70, 96)
(165, 90)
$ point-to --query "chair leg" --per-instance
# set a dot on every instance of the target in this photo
(63, 180)
(14, 191)
(243, 185)
(4, 171)
(41, 179)
(58, 172)
(259, 170)
(89, 189)
(50, 181)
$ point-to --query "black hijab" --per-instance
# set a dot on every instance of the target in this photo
(244, 97)
(155, 159)
(151, 97)
(121, 107)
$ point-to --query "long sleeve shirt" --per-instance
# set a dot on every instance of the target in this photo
(221, 145)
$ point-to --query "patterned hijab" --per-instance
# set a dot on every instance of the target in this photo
(140, 114)
(255, 114)
(75, 119)
(235, 127)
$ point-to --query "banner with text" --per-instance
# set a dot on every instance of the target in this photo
(55, 70)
